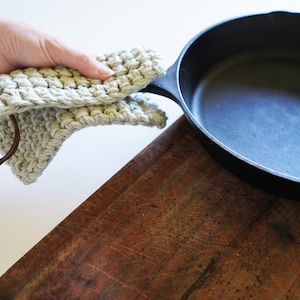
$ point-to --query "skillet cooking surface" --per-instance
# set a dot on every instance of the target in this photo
(251, 104)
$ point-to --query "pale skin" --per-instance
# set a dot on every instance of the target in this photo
(25, 46)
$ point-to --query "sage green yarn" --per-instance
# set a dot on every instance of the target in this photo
(51, 103)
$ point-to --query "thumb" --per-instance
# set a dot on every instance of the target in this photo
(85, 64)
(89, 66)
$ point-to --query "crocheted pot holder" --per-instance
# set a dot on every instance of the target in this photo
(49, 104)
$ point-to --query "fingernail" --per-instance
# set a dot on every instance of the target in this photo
(109, 71)
(106, 71)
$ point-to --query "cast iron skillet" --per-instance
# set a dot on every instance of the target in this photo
(239, 86)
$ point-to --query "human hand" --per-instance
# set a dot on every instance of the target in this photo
(24, 46)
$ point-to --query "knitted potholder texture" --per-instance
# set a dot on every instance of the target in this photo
(51, 103)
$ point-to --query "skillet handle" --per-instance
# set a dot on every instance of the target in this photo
(166, 86)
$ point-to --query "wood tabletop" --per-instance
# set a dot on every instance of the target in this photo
(172, 224)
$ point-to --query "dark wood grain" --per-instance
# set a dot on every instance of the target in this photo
(172, 224)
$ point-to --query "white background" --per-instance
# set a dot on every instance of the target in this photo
(91, 156)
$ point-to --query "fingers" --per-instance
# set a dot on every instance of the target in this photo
(87, 65)
(6, 67)
(25, 46)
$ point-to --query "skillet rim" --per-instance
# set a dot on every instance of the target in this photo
(258, 174)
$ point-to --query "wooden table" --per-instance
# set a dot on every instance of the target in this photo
(172, 224)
